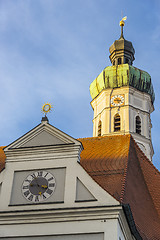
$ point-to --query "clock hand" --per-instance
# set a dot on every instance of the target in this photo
(44, 186)
(32, 185)
(117, 100)
(37, 183)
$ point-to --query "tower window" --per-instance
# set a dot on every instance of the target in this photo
(117, 123)
(138, 125)
(119, 61)
(113, 63)
(99, 128)
(149, 132)
(126, 60)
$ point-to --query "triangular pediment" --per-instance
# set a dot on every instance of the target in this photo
(43, 135)
(42, 139)
(82, 193)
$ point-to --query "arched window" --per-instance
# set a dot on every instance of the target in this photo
(119, 61)
(138, 125)
(117, 123)
(99, 128)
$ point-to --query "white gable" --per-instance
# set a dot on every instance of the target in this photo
(47, 149)
(42, 139)
(43, 135)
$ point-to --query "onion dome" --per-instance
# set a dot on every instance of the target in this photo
(120, 76)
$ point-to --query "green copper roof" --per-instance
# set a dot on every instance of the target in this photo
(122, 75)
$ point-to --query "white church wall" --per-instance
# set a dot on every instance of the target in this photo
(89, 236)
(95, 229)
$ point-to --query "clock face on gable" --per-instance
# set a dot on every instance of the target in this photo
(117, 100)
(41, 186)
(38, 186)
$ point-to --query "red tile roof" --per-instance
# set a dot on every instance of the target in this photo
(2, 159)
(118, 165)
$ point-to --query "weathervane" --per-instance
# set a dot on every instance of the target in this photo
(46, 108)
(121, 23)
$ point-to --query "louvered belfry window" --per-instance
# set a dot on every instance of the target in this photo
(138, 125)
(99, 128)
(117, 123)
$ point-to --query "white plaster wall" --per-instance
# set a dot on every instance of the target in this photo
(73, 170)
(88, 236)
(107, 228)
(109, 223)
(120, 234)
(95, 236)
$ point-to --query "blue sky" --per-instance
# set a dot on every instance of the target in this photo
(50, 51)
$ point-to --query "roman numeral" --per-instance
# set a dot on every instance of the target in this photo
(26, 193)
(27, 180)
(44, 197)
(49, 191)
(40, 174)
(50, 179)
(33, 175)
(30, 197)
(37, 199)
(46, 174)
(26, 187)
(51, 184)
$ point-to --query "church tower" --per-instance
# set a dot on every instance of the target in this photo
(123, 97)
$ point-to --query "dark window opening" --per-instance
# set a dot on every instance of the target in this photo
(119, 61)
(113, 63)
(117, 123)
(149, 132)
(126, 60)
(138, 125)
(99, 129)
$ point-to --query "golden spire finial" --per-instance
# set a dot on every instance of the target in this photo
(121, 23)
(46, 108)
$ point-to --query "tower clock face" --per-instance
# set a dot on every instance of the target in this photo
(117, 100)
(38, 186)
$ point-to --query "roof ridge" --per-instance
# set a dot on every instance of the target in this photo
(138, 156)
(89, 137)
(142, 156)
(125, 174)
(145, 157)
(106, 136)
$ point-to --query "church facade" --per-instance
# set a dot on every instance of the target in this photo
(105, 187)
